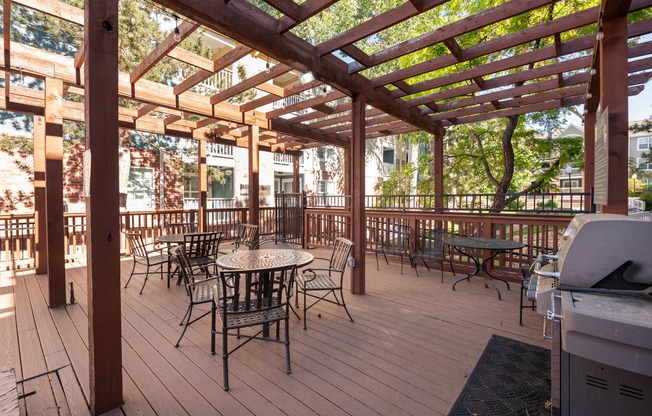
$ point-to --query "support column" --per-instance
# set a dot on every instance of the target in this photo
(438, 161)
(358, 218)
(103, 204)
(40, 215)
(202, 182)
(614, 97)
(347, 172)
(296, 188)
(54, 192)
(589, 156)
(254, 176)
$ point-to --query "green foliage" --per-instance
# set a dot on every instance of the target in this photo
(647, 197)
(549, 204)
(11, 144)
(245, 95)
(398, 183)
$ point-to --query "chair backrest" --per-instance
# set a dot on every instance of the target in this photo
(253, 290)
(202, 244)
(341, 250)
(180, 228)
(186, 270)
(247, 235)
(136, 244)
(431, 243)
(396, 239)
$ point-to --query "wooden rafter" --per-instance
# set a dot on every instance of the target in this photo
(219, 64)
(186, 28)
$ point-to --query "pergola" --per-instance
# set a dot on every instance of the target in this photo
(565, 70)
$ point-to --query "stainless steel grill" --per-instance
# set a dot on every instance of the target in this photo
(597, 292)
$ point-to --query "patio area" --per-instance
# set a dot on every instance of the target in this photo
(410, 350)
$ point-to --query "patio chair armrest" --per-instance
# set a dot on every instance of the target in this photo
(313, 270)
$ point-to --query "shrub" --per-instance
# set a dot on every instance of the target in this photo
(549, 204)
(647, 197)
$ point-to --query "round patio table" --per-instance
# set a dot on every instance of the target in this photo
(496, 246)
(264, 259)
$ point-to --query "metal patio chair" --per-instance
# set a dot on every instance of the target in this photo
(199, 285)
(395, 241)
(201, 250)
(148, 255)
(247, 298)
(314, 281)
(430, 246)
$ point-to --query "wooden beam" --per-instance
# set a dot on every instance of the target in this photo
(287, 7)
(202, 182)
(250, 82)
(358, 215)
(372, 26)
(186, 28)
(79, 56)
(308, 9)
(460, 27)
(522, 76)
(103, 205)
(54, 192)
(40, 213)
(191, 58)
(219, 64)
(55, 8)
(270, 98)
(331, 96)
(529, 34)
(262, 34)
(613, 97)
(254, 175)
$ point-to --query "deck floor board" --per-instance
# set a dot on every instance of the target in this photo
(412, 346)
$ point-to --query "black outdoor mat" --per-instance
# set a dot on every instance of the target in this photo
(510, 378)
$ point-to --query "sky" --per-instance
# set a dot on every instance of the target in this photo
(640, 106)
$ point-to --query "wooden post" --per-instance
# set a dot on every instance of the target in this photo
(40, 216)
(254, 178)
(54, 191)
(438, 161)
(296, 186)
(614, 97)
(103, 205)
(358, 218)
(589, 156)
(202, 182)
(347, 172)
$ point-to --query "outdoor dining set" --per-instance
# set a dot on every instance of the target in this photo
(247, 281)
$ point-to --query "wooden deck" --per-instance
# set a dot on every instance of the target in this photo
(412, 345)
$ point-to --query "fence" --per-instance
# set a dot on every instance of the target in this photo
(540, 203)
(322, 224)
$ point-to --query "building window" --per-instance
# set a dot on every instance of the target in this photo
(388, 156)
(574, 183)
(325, 187)
(190, 187)
(644, 163)
(644, 143)
(141, 188)
(321, 153)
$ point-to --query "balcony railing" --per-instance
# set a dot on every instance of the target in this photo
(217, 82)
(219, 150)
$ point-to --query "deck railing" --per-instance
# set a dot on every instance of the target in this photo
(321, 226)
(540, 203)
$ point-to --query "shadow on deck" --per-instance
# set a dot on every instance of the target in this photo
(412, 345)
